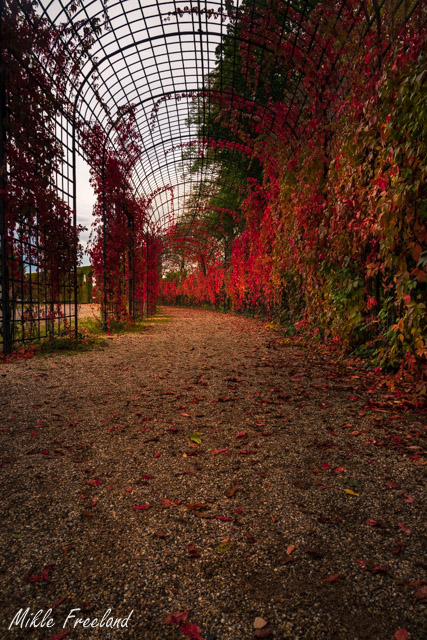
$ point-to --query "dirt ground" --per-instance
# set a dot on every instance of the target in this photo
(88, 311)
(204, 466)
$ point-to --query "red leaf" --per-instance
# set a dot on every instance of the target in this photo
(373, 523)
(59, 636)
(142, 506)
(421, 593)
(186, 415)
(191, 630)
(214, 452)
(193, 552)
(156, 455)
(242, 435)
(95, 482)
(33, 579)
(392, 485)
(378, 569)
(45, 572)
(337, 577)
(404, 528)
(169, 503)
(223, 519)
(401, 634)
(56, 604)
(339, 469)
(178, 617)
(325, 465)
(147, 478)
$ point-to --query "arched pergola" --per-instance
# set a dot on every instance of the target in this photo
(175, 64)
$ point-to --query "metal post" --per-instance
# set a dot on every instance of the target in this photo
(146, 274)
(76, 299)
(104, 247)
(5, 295)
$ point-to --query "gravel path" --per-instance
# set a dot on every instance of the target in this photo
(296, 507)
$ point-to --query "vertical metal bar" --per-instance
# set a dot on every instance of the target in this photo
(74, 157)
(5, 301)
(104, 246)
(146, 273)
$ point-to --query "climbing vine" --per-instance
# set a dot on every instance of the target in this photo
(334, 237)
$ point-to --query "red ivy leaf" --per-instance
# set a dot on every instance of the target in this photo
(337, 577)
(191, 630)
(401, 634)
(95, 482)
(46, 571)
(178, 617)
(404, 528)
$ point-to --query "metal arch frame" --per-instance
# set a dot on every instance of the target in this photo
(194, 32)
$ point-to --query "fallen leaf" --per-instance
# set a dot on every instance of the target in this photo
(351, 493)
(56, 604)
(179, 617)
(242, 435)
(157, 454)
(404, 528)
(373, 523)
(224, 519)
(291, 548)
(401, 634)
(169, 503)
(196, 506)
(191, 630)
(391, 485)
(337, 577)
(230, 492)
(225, 545)
(142, 506)
(378, 569)
(215, 452)
(421, 593)
(195, 437)
(58, 636)
(159, 533)
(95, 482)
(33, 579)
(192, 551)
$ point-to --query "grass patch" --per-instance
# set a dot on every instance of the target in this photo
(93, 326)
(68, 344)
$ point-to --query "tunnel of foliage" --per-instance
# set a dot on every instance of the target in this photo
(306, 166)
(326, 227)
